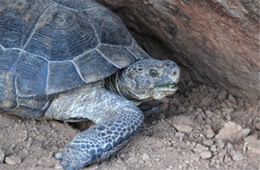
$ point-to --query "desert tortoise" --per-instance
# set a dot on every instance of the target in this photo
(76, 61)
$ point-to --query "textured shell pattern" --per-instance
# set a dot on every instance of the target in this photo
(51, 46)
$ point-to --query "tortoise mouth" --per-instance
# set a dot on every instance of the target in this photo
(167, 87)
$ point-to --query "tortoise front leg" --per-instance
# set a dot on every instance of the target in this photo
(116, 118)
(102, 140)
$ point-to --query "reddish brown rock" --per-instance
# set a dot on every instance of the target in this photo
(216, 41)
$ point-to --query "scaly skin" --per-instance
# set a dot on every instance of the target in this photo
(102, 140)
(107, 103)
(116, 118)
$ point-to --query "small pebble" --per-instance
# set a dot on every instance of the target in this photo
(220, 144)
(145, 157)
(227, 110)
(132, 160)
(257, 124)
(213, 148)
(13, 160)
(209, 133)
(183, 128)
(208, 142)
(201, 147)
(205, 102)
(122, 156)
(180, 136)
(58, 166)
(195, 157)
(253, 144)
(181, 109)
(237, 156)
(232, 99)
(222, 95)
(205, 154)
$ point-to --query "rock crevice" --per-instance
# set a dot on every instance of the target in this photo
(216, 41)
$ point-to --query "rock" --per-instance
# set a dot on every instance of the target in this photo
(200, 148)
(252, 144)
(208, 142)
(257, 124)
(58, 166)
(229, 147)
(209, 133)
(227, 110)
(205, 102)
(195, 157)
(205, 154)
(145, 157)
(122, 156)
(222, 95)
(227, 159)
(183, 128)
(132, 160)
(180, 136)
(214, 149)
(220, 58)
(237, 156)
(181, 109)
(13, 160)
(221, 155)
(232, 132)
(2, 156)
(232, 99)
(228, 117)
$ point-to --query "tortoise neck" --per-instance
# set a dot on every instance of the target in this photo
(117, 84)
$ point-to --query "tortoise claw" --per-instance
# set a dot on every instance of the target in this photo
(58, 155)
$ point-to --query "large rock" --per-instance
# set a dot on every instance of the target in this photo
(217, 41)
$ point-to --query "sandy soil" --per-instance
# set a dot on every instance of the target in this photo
(187, 133)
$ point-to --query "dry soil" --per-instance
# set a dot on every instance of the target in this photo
(197, 128)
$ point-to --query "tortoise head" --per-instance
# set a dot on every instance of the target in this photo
(150, 79)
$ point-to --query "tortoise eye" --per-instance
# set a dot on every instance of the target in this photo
(154, 73)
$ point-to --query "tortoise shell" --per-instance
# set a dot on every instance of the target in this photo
(51, 46)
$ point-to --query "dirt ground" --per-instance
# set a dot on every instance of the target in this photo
(198, 128)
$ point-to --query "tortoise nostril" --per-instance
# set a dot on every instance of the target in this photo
(174, 73)
(168, 64)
